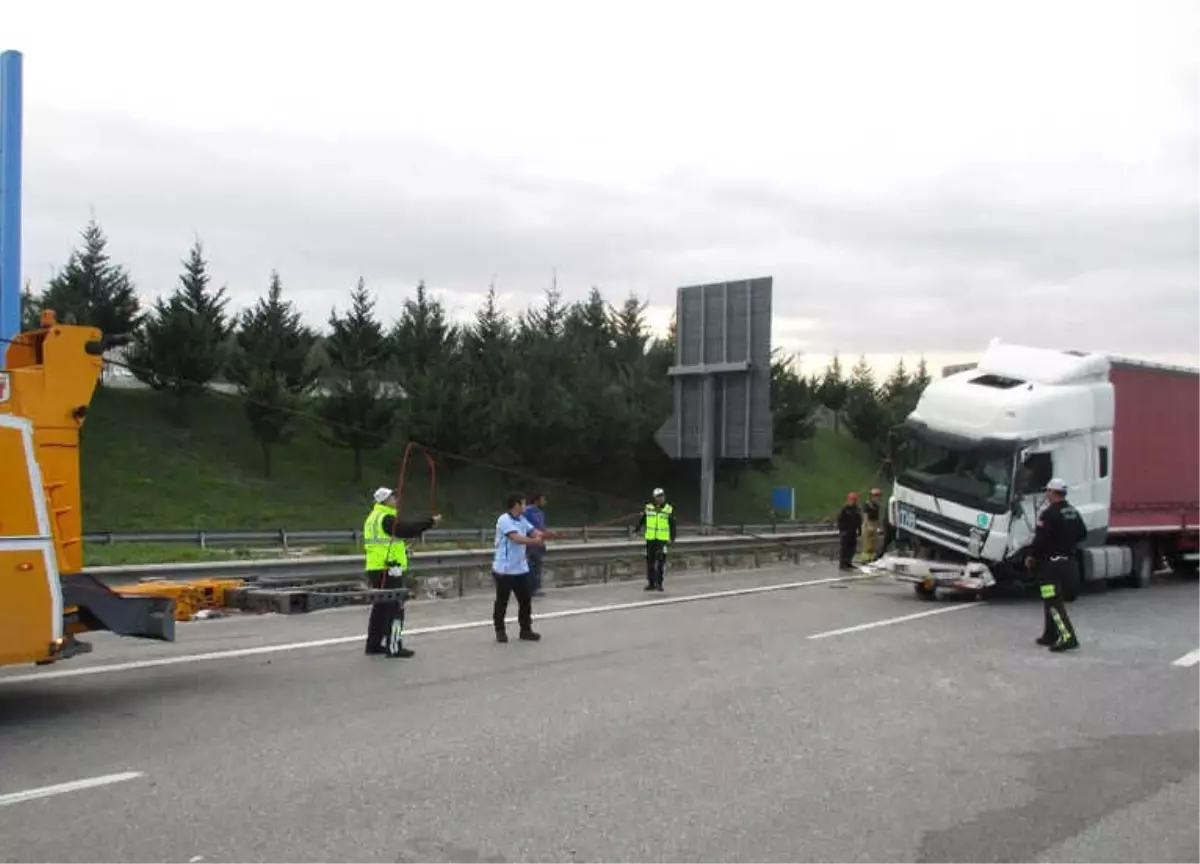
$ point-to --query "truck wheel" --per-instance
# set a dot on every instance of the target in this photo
(1143, 565)
(925, 593)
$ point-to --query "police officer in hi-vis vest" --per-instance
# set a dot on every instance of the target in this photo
(387, 562)
(657, 525)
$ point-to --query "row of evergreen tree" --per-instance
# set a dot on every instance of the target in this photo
(571, 390)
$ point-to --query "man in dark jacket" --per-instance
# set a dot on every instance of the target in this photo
(849, 524)
(1060, 529)
(386, 563)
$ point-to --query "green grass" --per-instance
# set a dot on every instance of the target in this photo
(142, 472)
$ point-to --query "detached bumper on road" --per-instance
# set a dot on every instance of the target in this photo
(972, 576)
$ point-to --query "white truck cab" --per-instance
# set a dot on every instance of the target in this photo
(976, 454)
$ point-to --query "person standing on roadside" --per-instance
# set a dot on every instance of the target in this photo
(386, 564)
(658, 527)
(849, 525)
(510, 568)
(870, 532)
(535, 515)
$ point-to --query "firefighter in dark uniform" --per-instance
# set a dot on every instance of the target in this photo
(387, 562)
(657, 525)
(849, 525)
(1060, 529)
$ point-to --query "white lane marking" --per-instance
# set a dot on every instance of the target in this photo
(63, 788)
(1189, 659)
(873, 624)
(233, 653)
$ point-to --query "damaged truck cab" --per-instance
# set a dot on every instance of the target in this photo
(975, 455)
(47, 381)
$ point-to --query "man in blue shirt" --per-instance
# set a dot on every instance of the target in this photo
(510, 568)
(535, 516)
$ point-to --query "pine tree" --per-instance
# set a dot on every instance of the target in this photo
(866, 417)
(589, 328)
(362, 401)
(546, 321)
(93, 291)
(426, 347)
(920, 380)
(182, 345)
(898, 384)
(273, 368)
(31, 309)
(834, 390)
(628, 326)
(793, 403)
(488, 358)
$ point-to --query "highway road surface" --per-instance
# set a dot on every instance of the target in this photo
(837, 721)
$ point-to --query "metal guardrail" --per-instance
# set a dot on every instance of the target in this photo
(285, 539)
(341, 567)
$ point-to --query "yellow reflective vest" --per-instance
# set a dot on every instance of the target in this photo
(382, 551)
(658, 523)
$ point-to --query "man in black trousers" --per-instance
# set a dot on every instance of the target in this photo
(849, 524)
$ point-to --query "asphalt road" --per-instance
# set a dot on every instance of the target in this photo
(769, 726)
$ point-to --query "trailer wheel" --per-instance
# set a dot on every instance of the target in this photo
(925, 593)
(1143, 565)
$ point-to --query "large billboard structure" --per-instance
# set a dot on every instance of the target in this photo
(722, 378)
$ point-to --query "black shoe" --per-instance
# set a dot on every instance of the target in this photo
(658, 587)
(648, 588)
(1045, 640)
(402, 653)
(530, 636)
(501, 636)
(375, 649)
(1065, 645)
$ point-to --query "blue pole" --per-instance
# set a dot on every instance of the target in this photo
(10, 196)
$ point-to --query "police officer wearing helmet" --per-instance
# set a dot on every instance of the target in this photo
(387, 562)
(657, 525)
(1051, 556)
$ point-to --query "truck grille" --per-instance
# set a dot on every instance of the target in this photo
(940, 529)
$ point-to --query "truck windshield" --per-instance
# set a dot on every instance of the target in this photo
(972, 477)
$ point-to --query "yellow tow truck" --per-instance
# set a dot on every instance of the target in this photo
(46, 385)
(47, 382)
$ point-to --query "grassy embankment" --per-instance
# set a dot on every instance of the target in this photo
(141, 472)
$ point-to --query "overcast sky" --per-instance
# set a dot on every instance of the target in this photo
(918, 177)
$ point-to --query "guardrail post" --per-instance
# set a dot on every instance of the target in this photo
(203, 540)
(356, 539)
(283, 538)
(458, 580)
(585, 533)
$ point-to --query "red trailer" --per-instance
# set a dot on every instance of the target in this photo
(1156, 460)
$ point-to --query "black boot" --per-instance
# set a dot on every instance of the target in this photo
(1065, 645)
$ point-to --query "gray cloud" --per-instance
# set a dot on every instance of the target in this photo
(938, 268)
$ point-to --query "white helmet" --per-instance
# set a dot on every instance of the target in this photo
(382, 494)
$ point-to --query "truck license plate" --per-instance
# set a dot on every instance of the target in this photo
(907, 518)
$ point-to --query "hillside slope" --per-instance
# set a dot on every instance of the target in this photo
(142, 472)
